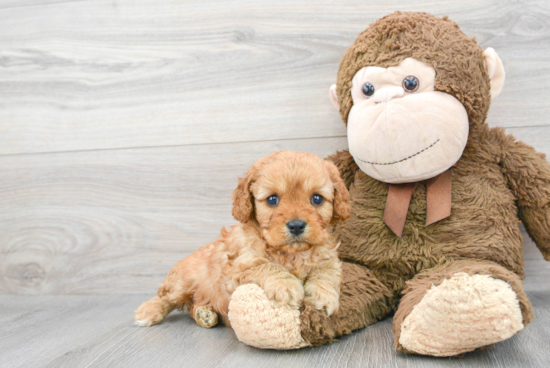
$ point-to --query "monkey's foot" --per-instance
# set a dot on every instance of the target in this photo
(462, 314)
(205, 316)
(263, 323)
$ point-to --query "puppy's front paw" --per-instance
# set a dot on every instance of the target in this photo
(323, 297)
(285, 289)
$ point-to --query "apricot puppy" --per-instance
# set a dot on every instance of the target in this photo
(287, 205)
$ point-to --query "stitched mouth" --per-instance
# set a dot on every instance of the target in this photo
(403, 159)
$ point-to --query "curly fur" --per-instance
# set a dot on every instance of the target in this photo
(260, 249)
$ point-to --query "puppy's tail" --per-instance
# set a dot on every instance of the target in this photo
(152, 312)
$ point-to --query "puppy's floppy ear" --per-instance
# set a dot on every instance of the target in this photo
(243, 201)
(341, 202)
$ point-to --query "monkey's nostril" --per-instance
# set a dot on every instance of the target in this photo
(296, 227)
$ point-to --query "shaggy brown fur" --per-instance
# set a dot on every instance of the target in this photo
(497, 178)
(261, 249)
(438, 42)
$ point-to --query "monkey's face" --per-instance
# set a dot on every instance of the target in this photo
(399, 128)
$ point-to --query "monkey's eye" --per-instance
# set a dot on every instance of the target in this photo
(368, 89)
(272, 201)
(317, 200)
(410, 83)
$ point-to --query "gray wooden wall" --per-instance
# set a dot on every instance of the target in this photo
(124, 124)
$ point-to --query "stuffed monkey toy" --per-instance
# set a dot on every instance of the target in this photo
(437, 200)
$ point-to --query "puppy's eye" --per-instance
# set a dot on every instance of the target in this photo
(317, 200)
(368, 89)
(410, 83)
(272, 200)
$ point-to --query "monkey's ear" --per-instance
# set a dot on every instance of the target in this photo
(334, 97)
(495, 69)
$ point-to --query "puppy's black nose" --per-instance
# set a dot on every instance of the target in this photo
(296, 227)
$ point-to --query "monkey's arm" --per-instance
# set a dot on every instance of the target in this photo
(528, 175)
(346, 165)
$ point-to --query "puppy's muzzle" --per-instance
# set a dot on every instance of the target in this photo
(296, 227)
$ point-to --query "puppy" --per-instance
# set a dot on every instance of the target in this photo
(287, 205)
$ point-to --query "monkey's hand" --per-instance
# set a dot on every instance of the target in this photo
(537, 224)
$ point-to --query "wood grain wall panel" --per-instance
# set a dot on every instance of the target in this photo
(81, 75)
(537, 136)
(112, 221)
(115, 221)
(155, 108)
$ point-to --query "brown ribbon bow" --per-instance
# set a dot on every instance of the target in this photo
(438, 201)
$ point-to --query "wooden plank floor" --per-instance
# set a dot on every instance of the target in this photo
(97, 331)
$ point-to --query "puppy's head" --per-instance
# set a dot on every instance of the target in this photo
(294, 197)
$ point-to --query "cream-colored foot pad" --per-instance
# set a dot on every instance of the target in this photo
(462, 314)
(262, 323)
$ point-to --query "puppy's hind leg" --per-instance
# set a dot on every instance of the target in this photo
(204, 315)
(153, 311)
(173, 293)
